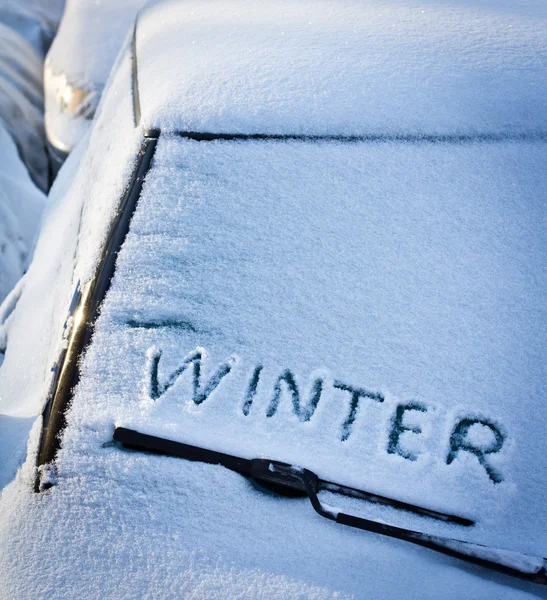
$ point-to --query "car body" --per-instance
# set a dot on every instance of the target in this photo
(77, 66)
(339, 268)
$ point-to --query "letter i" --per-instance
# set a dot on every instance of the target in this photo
(251, 390)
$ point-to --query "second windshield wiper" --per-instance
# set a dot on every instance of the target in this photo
(293, 480)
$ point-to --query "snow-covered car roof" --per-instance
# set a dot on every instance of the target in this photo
(369, 307)
(353, 68)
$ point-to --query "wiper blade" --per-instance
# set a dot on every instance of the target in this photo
(297, 479)
(251, 467)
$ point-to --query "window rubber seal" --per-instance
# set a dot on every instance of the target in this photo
(67, 368)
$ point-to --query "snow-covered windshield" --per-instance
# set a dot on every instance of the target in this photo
(371, 311)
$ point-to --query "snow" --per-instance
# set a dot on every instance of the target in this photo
(413, 272)
(26, 30)
(455, 322)
(34, 20)
(388, 67)
(21, 101)
(524, 563)
(31, 328)
(35, 330)
(147, 526)
(461, 314)
(21, 205)
(77, 66)
(25, 33)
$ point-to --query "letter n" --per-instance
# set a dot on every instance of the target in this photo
(287, 380)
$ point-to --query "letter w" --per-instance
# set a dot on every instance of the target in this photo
(194, 358)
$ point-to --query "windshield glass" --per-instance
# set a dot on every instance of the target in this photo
(371, 311)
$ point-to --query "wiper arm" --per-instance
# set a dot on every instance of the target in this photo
(297, 479)
(251, 468)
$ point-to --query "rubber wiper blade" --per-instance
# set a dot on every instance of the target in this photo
(141, 441)
(294, 478)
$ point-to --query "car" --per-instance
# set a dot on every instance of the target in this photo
(90, 36)
(299, 257)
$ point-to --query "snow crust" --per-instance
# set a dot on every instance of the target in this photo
(94, 33)
(380, 67)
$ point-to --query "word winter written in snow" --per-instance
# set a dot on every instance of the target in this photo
(460, 440)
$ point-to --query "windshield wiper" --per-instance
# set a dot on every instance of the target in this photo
(295, 480)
